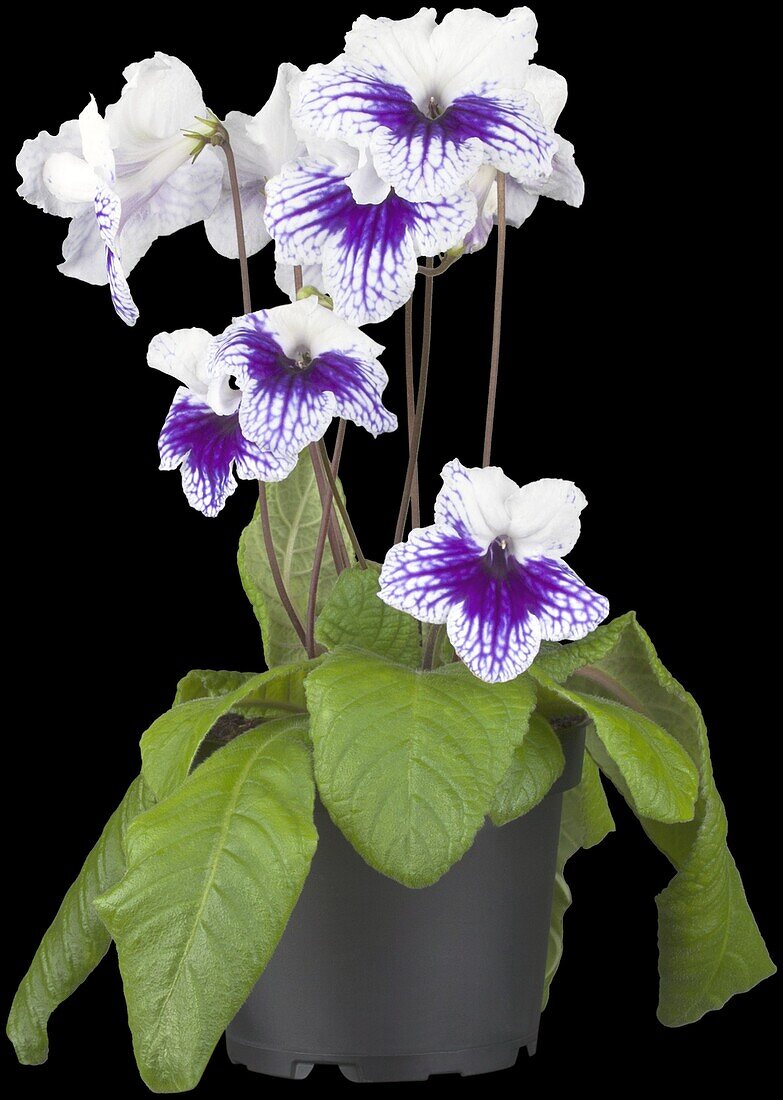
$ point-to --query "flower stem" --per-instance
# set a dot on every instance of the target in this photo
(337, 454)
(432, 272)
(604, 680)
(410, 394)
(496, 318)
(328, 524)
(331, 478)
(335, 540)
(431, 646)
(238, 219)
(297, 279)
(418, 420)
(274, 566)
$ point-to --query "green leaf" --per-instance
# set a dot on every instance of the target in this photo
(170, 746)
(653, 771)
(710, 946)
(585, 821)
(76, 940)
(294, 519)
(354, 615)
(408, 762)
(202, 683)
(535, 766)
(213, 874)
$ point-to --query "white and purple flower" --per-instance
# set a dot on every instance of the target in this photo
(125, 181)
(202, 435)
(491, 569)
(298, 366)
(432, 102)
(565, 182)
(332, 209)
(261, 144)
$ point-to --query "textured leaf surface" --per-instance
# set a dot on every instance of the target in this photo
(213, 874)
(710, 946)
(652, 769)
(585, 821)
(76, 940)
(536, 764)
(201, 683)
(354, 615)
(169, 747)
(294, 518)
(408, 762)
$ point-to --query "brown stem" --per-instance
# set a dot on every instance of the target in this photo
(337, 454)
(496, 318)
(335, 540)
(432, 272)
(327, 468)
(297, 279)
(431, 646)
(274, 567)
(410, 395)
(604, 680)
(238, 219)
(413, 457)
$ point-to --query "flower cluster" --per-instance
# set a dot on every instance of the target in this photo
(355, 169)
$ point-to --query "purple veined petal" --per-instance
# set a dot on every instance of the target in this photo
(305, 204)
(497, 649)
(443, 223)
(346, 101)
(514, 139)
(107, 215)
(354, 386)
(207, 446)
(369, 264)
(425, 575)
(565, 607)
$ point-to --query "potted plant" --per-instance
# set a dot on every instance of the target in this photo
(348, 856)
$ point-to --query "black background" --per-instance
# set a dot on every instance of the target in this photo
(631, 364)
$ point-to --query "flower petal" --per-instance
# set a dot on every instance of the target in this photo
(472, 501)
(473, 47)
(426, 574)
(356, 388)
(107, 215)
(398, 49)
(544, 518)
(443, 223)
(565, 607)
(306, 203)
(491, 637)
(30, 164)
(221, 228)
(284, 278)
(271, 129)
(566, 182)
(183, 355)
(550, 91)
(206, 446)
(513, 137)
(161, 98)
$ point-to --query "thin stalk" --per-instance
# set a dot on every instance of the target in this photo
(297, 279)
(432, 272)
(327, 500)
(263, 503)
(413, 457)
(496, 318)
(431, 646)
(274, 566)
(238, 219)
(337, 454)
(608, 683)
(410, 395)
(327, 467)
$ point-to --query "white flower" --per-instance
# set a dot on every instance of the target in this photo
(261, 144)
(149, 188)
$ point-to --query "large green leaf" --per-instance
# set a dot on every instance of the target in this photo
(585, 821)
(354, 615)
(652, 769)
(213, 874)
(710, 946)
(294, 519)
(170, 746)
(76, 940)
(408, 762)
(535, 766)
(201, 683)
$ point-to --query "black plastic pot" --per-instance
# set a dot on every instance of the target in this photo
(395, 984)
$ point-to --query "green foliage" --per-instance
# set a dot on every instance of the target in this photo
(170, 746)
(213, 874)
(536, 764)
(408, 762)
(76, 940)
(294, 519)
(710, 946)
(354, 615)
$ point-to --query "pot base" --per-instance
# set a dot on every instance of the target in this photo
(296, 1065)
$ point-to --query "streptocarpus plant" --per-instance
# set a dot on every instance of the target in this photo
(421, 687)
